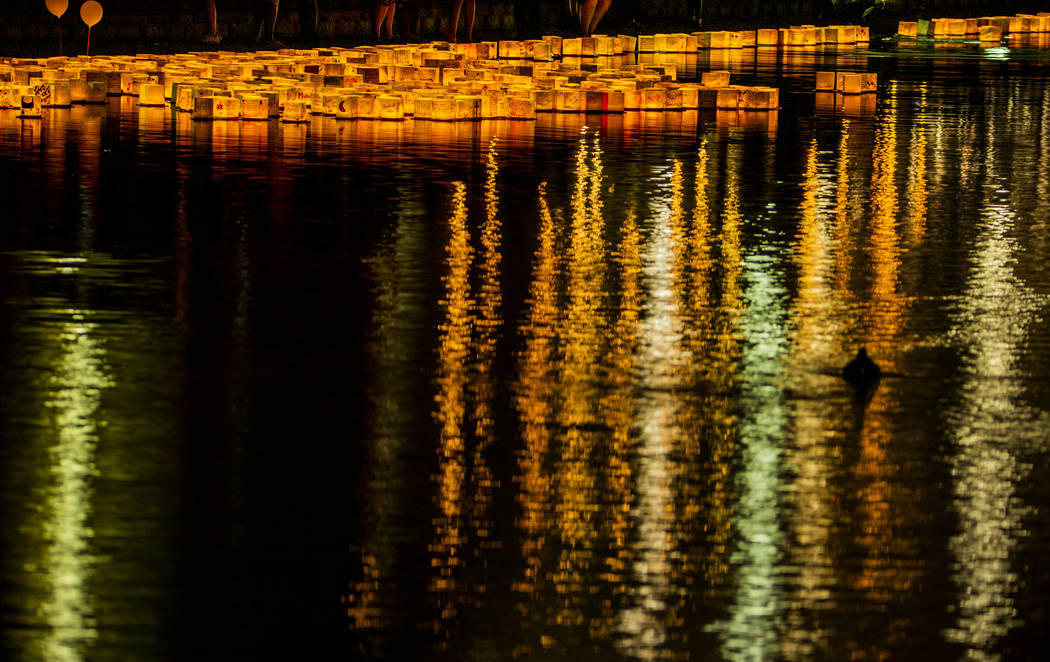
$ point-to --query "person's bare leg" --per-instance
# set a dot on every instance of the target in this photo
(212, 37)
(381, 9)
(599, 13)
(454, 7)
(267, 21)
(586, 14)
(391, 9)
(469, 4)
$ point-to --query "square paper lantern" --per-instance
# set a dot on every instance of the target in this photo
(151, 94)
(31, 107)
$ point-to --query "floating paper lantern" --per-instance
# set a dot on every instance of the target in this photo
(990, 33)
(760, 98)
(54, 94)
(714, 78)
(184, 97)
(31, 107)
(216, 108)
(151, 94)
(294, 112)
(848, 83)
(255, 107)
(767, 37)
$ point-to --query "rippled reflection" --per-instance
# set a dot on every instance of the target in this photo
(79, 378)
(604, 415)
(78, 382)
(991, 428)
(818, 333)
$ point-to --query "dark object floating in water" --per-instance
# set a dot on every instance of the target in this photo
(861, 371)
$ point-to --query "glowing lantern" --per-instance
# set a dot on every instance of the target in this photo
(715, 78)
(54, 94)
(151, 94)
(522, 109)
(32, 108)
(255, 107)
(294, 112)
(760, 98)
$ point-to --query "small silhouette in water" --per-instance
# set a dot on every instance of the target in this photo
(862, 372)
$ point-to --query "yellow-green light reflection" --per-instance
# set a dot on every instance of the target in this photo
(79, 379)
(751, 630)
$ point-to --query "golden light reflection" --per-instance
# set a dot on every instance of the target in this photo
(80, 377)
(488, 324)
(453, 375)
(534, 397)
(883, 315)
(465, 400)
(704, 488)
(917, 187)
(843, 256)
(812, 454)
(582, 330)
(884, 514)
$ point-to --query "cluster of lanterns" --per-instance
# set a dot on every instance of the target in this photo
(432, 81)
(986, 29)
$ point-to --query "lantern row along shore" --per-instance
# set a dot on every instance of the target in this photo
(986, 29)
(441, 80)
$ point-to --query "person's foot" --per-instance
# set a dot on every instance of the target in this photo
(268, 43)
(212, 39)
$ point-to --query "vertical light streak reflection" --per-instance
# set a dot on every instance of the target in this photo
(919, 193)
(452, 381)
(816, 334)
(79, 379)
(582, 329)
(574, 470)
(617, 407)
(398, 310)
(487, 323)
(843, 259)
(712, 336)
(991, 428)
(534, 395)
(884, 312)
(644, 623)
(466, 390)
(883, 517)
(752, 629)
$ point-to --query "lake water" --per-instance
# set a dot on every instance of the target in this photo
(559, 390)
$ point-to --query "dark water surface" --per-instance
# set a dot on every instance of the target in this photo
(562, 390)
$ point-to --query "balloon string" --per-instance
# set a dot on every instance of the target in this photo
(89, 42)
